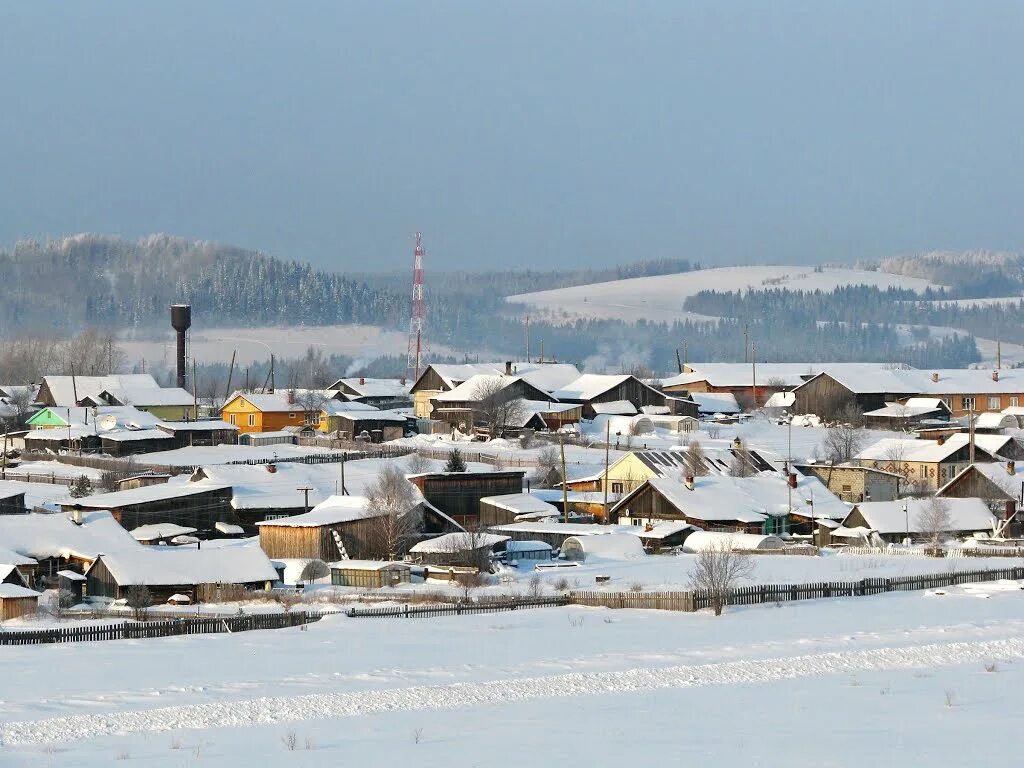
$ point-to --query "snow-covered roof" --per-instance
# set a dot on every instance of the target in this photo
(458, 542)
(41, 536)
(661, 529)
(357, 411)
(996, 472)
(781, 400)
(154, 531)
(205, 425)
(989, 420)
(129, 435)
(332, 511)
(6, 569)
(545, 376)
(615, 408)
(143, 495)
(888, 516)
(229, 529)
(160, 566)
(590, 385)
(520, 504)
(914, 407)
(366, 565)
(13, 591)
(512, 547)
(364, 387)
(148, 397)
(556, 529)
(715, 402)
(63, 389)
(700, 541)
(929, 451)
(604, 423)
(614, 546)
(742, 374)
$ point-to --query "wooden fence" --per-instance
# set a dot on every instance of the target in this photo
(455, 609)
(37, 477)
(760, 594)
(165, 628)
(993, 551)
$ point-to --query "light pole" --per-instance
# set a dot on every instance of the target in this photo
(906, 520)
(810, 503)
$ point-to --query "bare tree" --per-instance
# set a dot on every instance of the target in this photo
(718, 570)
(394, 505)
(694, 459)
(20, 404)
(417, 464)
(139, 599)
(472, 547)
(495, 407)
(549, 468)
(312, 402)
(741, 465)
(842, 442)
(313, 571)
(934, 521)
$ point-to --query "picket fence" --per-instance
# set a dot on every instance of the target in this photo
(455, 609)
(760, 594)
(994, 551)
(166, 628)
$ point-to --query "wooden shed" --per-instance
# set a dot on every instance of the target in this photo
(312, 536)
(13, 504)
(458, 494)
(372, 574)
(16, 601)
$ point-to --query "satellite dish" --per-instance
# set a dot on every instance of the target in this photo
(108, 422)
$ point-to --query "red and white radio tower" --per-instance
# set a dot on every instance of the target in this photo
(419, 312)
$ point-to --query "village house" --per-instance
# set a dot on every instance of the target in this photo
(460, 407)
(750, 384)
(854, 483)
(444, 377)
(928, 464)
(914, 411)
(41, 544)
(893, 520)
(380, 393)
(467, 550)
(274, 411)
(356, 419)
(167, 571)
(998, 484)
(163, 534)
(139, 390)
(591, 389)
(314, 535)
(199, 507)
(514, 507)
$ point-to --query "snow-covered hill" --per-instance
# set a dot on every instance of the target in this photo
(661, 298)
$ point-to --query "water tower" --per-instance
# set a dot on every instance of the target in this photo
(181, 321)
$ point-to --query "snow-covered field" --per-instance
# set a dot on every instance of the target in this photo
(661, 298)
(901, 679)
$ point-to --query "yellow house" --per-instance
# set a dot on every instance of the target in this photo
(270, 412)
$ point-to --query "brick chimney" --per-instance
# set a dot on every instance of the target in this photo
(1011, 468)
(362, 380)
(935, 377)
(995, 375)
(792, 479)
(508, 367)
(689, 482)
(941, 440)
(291, 397)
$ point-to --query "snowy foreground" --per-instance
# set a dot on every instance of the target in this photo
(911, 678)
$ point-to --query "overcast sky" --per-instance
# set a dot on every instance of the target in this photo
(518, 134)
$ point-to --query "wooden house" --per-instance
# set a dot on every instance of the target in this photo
(205, 432)
(131, 442)
(457, 549)
(996, 482)
(167, 571)
(352, 420)
(912, 412)
(458, 494)
(592, 388)
(709, 503)
(269, 412)
(751, 385)
(369, 574)
(929, 464)
(829, 394)
(199, 507)
(380, 393)
(460, 407)
(514, 507)
(854, 483)
(17, 601)
(438, 378)
(892, 520)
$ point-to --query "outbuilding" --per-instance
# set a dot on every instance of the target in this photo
(701, 541)
(16, 601)
(527, 553)
(612, 546)
(372, 574)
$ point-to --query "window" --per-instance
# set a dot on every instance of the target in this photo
(994, 403)
(274, 517)
(231, 419)
(847, 488)
(312, 418)
(616, 487)
(291, 415)
(967, 403)
(1013, 402)
(252, 419)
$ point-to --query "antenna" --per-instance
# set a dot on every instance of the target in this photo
(419, 312)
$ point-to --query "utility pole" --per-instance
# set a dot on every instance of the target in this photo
(565, 488)
(305, 493)
(746, 343)
(528, 339)
(195, 392)
(607, 452)
(970, 430)
(753, 370)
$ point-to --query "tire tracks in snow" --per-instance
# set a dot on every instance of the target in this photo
(324, 706)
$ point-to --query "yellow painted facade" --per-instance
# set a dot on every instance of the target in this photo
(248, 418)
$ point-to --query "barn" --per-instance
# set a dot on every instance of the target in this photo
(458, 494)
(312, 536)
(592, 388)
(457, 549)
(513, 507)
